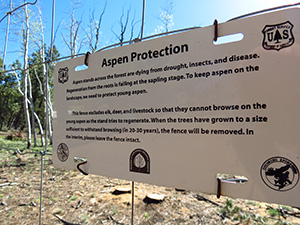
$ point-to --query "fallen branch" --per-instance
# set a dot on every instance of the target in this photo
(201, 198)
(64, 221)
(113, 219)
(295, 214)
(8, 184)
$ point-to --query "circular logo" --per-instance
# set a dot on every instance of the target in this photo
(62, 152)
(279, 173)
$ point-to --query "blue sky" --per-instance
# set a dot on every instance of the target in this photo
(187, 13)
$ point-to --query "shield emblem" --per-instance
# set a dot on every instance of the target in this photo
(63, 75)
(278, 36)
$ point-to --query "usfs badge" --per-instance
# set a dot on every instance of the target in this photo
(278, 36)
(63, 75)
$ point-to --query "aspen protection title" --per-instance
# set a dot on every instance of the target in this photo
(150, 54)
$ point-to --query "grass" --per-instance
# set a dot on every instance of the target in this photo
(58, 183)
(21, 145)
(114, 210)
(278, 214)
(235, 213)
(38, 200)
(9, 158)
(274, 212)
(11, 213)
(287, 208)
(86, 218)
(73, 198)
(146, 215)
(53, 199)
(251, 203)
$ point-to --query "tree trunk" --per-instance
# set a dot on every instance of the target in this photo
(26, 74)
(32, 112)
(40, 105)
(6, 39)
(11, 122)
(41, 130)
(49, 111)
(72, 40)
(35, 115)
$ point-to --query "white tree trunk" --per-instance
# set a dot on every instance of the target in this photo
(72, 40)
(46, 84)
(32, 112)
(37, 118)
(35, 115)
(26, 74)
(6, 39)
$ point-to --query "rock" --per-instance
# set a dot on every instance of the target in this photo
(56, 211)
(23, 204)
(79, 204)
(32, 204)
(78, 193)
(93, 201)
(3, 203)
(180, 190)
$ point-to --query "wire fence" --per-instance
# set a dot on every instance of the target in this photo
(51, 61)
(15, 9)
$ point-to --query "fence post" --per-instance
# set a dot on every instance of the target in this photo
(132, 203)
(41, 187)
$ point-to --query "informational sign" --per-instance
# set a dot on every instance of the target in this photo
(179, 110)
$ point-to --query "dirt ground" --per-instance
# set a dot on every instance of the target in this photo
(70, 197)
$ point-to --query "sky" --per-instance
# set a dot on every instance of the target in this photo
(186, 13)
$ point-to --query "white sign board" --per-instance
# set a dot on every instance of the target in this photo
(177, 110)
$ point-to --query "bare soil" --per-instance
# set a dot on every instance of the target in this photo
(69, 197)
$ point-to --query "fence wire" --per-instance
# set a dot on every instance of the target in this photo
(23, 151)
(10, 12)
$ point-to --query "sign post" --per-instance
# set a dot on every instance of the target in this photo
(178, 110)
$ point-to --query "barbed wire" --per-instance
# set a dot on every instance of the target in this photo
(41, 63)
(10, 12)
(22, 151)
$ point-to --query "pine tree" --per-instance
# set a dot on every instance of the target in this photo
(277, 37)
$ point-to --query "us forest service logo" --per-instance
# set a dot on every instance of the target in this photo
(63, 75)
(279, 174)
(278, 36)
(139, 161)
(62, 152)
